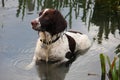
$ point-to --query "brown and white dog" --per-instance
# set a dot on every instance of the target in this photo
(54, 44)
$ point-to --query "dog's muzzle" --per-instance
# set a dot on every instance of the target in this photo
(36, 25)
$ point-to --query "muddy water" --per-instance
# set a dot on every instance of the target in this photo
(18, 40)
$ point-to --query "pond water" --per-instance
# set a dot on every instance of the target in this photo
(100, 21)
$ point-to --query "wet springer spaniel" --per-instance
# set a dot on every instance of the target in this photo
(54, 44)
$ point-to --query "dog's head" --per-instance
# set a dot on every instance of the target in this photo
(49, 20)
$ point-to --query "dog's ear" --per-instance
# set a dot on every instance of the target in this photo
(60, 22)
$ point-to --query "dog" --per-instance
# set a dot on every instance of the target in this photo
(54, 43)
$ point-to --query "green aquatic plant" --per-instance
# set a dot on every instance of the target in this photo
(103, 66)
(114, 67)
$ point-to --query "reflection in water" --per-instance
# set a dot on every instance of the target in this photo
(48, 71)
(23, 4)
(106, 15)
(3, 4)
(117, 50)
(72, 5)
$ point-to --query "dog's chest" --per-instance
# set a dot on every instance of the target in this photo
(55, 51)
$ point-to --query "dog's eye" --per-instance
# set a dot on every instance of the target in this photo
(46, 14)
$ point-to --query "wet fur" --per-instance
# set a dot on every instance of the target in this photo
(50, 24)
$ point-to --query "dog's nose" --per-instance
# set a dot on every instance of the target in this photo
(34, 23)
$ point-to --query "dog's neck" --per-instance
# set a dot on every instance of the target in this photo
(47, 38)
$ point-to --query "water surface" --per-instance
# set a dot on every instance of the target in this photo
(97, 19)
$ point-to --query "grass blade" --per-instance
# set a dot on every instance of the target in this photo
(103, 67)
(110, 68)
(119, 70)
(114, 70)
(108, 60)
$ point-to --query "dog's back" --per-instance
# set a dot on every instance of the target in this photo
(82, 41)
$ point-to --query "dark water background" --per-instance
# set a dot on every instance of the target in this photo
(99, 19)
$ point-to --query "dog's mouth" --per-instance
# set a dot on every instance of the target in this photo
(39, 28)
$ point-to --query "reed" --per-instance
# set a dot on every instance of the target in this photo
(114, 67)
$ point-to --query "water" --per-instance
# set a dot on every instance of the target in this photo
(18, 40)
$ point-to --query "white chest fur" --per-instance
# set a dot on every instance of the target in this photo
(54, 51)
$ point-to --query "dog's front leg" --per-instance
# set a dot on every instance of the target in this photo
(28, 67)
